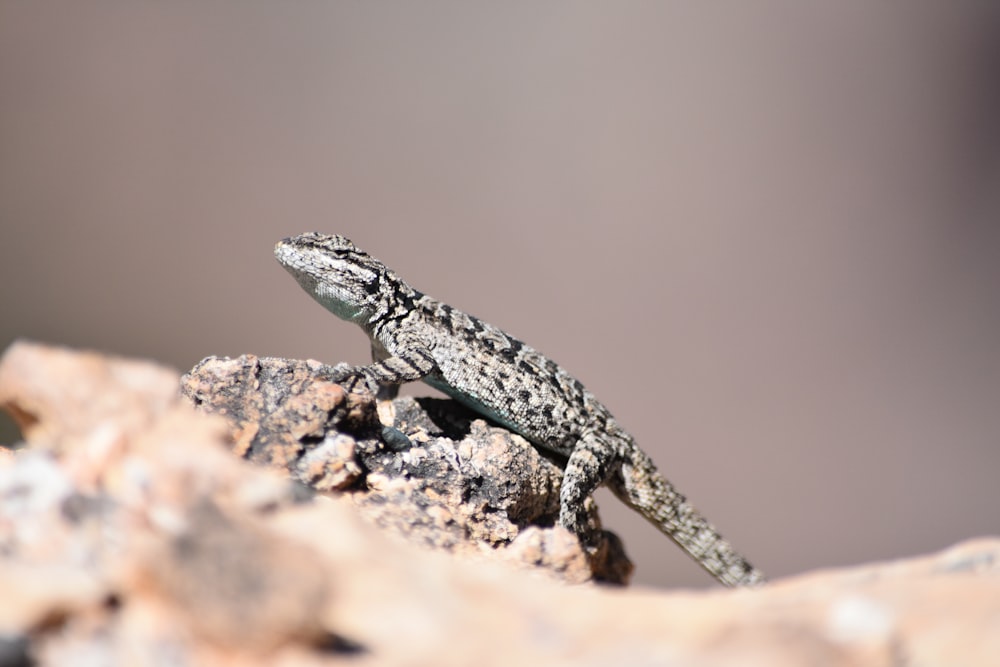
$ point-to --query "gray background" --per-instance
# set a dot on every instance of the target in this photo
(765, 234)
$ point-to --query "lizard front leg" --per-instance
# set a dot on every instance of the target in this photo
(382, 378)
(393, 370)
(386, 392)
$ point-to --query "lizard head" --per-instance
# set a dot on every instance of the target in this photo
(343, 278)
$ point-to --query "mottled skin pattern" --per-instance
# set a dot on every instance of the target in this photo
(415, 337)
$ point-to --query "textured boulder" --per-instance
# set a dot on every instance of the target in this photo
(459, 484)
(130, 535)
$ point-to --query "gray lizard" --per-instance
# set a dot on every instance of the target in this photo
(415, 337)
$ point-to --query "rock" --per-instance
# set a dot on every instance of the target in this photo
(237, 578)
(158, 546)
(462, 485)
(49, 412)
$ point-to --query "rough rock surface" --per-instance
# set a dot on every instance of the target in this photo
(130, 535)
(460, 485)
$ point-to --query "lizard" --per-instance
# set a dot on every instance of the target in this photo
(415, 337)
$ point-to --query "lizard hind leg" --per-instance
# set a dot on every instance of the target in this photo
(588, 467)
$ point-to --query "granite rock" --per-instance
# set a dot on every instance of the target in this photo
(131, 535)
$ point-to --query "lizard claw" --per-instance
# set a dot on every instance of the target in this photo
(338, 373)
(350, 377)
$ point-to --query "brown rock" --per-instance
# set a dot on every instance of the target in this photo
(167, 549)
(276, 408)
(125, 505)
(49, 411)
(462, 485)
(239, 578)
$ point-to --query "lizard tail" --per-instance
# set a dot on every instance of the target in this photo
(640, 486)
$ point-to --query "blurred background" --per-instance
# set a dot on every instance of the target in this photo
(765, 235)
